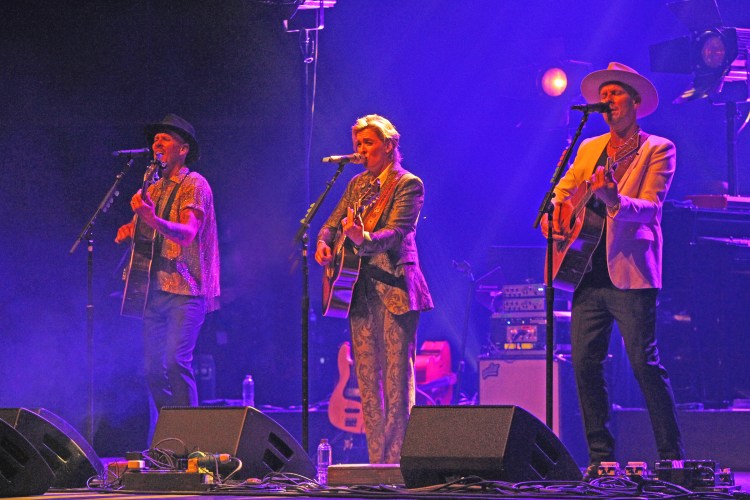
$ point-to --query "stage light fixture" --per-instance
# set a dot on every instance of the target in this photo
(716, 55)
(561, 79)
(554, 81)
(308, 16)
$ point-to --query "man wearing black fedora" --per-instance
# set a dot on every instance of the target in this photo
(184, 283)
(629, 172)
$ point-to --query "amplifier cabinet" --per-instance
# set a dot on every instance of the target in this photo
(520, 380)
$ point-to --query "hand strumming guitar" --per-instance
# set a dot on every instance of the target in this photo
(323, 255)
(143, 208)
(125, 232)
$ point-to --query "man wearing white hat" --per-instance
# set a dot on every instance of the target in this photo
(629, 172)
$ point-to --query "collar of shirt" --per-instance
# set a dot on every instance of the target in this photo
(384, 174)
(180, 174)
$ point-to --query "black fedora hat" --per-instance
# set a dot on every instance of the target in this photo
(173, 123)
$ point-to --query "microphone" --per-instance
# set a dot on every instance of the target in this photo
(352, 158)
(597, 107)
(132, 152)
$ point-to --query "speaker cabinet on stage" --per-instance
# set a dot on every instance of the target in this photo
(500, 443)
(23, 471)
(520, 379)
(243, 432)
(70, 457)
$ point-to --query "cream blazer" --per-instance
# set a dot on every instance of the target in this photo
(634, 238)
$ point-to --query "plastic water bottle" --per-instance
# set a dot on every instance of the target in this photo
(248, 391)
(324, 460)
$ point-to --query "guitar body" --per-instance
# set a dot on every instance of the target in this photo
(341, 274)
(339, 279)
(345, 405)
(137, 274)
(571, 257)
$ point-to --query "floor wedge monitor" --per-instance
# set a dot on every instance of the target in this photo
(497, 443)
(67, 453)
(243, 432)
(23, 471)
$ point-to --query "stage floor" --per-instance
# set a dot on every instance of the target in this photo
(604, 489)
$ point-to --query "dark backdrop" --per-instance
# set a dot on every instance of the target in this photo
(81, 79)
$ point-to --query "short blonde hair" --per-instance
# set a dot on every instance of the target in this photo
(385, 130)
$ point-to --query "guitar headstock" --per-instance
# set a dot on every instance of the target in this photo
(152, 171)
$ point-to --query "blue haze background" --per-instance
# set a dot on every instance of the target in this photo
(457, 79)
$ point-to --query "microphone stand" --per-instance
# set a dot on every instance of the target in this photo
(547, 208)
(303, 238)
(464, 268)
(87, 233)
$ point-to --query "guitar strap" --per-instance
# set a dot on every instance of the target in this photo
(166, 209)
(373, 215)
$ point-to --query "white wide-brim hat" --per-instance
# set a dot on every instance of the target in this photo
(618, 72)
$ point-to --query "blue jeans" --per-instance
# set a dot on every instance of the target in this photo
(595, 309)
(171, 324)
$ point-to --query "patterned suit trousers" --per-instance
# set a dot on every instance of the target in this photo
(384, 346)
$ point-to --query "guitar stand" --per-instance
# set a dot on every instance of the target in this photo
(547, 208)
(87, 233)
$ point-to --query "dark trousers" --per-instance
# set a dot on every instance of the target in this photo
(595, 309)
(171, 324)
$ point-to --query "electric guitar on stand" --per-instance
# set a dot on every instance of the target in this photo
(345, 405)
(137, 274)
(571, 256)
(341, 274)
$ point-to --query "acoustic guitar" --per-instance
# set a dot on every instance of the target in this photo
(341, 274)
(571, 256)
(137, 273)
(345, 405)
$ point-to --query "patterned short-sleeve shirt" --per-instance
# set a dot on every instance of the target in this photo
(191, 270)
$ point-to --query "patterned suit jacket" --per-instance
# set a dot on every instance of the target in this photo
(390, 258)
(634, 239)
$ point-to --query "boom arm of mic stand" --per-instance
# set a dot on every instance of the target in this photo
(546, 208)
(313, 209)
(564, 159)
(108, 197)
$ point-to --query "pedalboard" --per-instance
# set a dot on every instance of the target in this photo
(695, 475)
(163, 480)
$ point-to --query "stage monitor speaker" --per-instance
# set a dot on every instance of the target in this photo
(23, 471)
(243, 432)
(67, 453)
(496, 443)
(520, 380)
